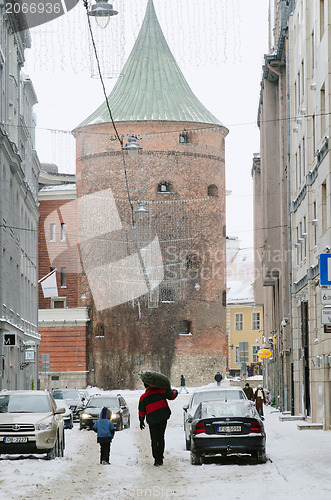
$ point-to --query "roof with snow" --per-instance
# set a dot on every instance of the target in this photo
(152, 86)
(240, 277)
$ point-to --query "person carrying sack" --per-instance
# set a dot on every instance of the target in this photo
(153, 405)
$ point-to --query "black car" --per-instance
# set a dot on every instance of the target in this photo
(226, 428)
(72, 398)
(117, 404)
(210, 394)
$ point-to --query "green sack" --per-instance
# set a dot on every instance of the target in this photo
(154, 379)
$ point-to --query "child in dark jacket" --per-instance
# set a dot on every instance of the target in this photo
(105, 430)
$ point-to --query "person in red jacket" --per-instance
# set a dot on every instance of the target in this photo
(153, 405)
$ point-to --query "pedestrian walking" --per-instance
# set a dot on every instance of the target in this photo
(218, 377)
(182, 384)
(249, 392)
(154, 406)
(259, 398)
(105, 430)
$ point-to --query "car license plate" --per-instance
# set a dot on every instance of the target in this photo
(229, 428)
(15, 439)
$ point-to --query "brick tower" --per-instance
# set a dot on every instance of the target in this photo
(152, 226)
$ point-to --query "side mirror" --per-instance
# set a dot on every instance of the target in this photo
(189, 420)
(59, 410)
(185, 408)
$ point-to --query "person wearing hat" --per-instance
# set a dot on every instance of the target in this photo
(248, 391)
(105, 430)
(259, 398)
(153, 405)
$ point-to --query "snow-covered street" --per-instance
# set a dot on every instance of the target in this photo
(298, 467)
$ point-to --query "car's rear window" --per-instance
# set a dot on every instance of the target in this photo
(66, 394)
(24, 403)
(101, 402)
(212, 395)
(223, 409)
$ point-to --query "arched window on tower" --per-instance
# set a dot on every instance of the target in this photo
(164, 187)
(99, 330)
(184, 138)
(213, 190)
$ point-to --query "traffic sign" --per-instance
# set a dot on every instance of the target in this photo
(325, 269)
(326, 297)
(326, 316)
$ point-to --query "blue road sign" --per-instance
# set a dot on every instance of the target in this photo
(325, 269)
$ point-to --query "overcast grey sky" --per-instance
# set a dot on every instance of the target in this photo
(219, 45)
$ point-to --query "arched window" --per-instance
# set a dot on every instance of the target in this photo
(164, 187)
(167, 295)
(99, 330)
(184, 138)
(212, 190)
(193, 261)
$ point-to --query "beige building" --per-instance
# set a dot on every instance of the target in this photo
(244, 320)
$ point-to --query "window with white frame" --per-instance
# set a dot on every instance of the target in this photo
(63, 231)
(237, 360)
(52, 232)
(239, 321)
(256, 320)
(255, 350)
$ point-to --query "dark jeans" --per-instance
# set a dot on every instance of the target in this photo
(104, 452)
(157, 439)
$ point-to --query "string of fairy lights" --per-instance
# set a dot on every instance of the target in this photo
(197, 34)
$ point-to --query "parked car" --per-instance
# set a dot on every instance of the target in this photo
(72, 398)
(68, 416)
(227, 427)
(84, 395)
(225, 394)
(30, 423)
(117, 404)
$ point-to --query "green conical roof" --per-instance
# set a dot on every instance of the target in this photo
(152, 86)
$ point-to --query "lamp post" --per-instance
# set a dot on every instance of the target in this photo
(132, 146)
(102, 11)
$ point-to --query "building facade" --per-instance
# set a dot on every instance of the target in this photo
(299, 98)
(271, 180)
(309, 39)
(19, 170)
(62, 323)
(152, 227)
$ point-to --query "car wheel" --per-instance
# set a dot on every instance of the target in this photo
(195, 458)
(261, 457)
(61, 451)
(81, 427)
(71, 423)
(53, 452)
(188, 444)
(120, 425)
(128, 424)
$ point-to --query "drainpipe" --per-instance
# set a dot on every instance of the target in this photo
(288, 127)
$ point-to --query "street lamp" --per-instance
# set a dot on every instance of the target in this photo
(132, 146)
(102, 11)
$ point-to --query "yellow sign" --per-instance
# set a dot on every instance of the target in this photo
(264, 353)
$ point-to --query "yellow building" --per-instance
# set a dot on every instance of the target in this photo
(244, 320)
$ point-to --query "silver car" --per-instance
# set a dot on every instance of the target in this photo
(31, 423)
(210, 394)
